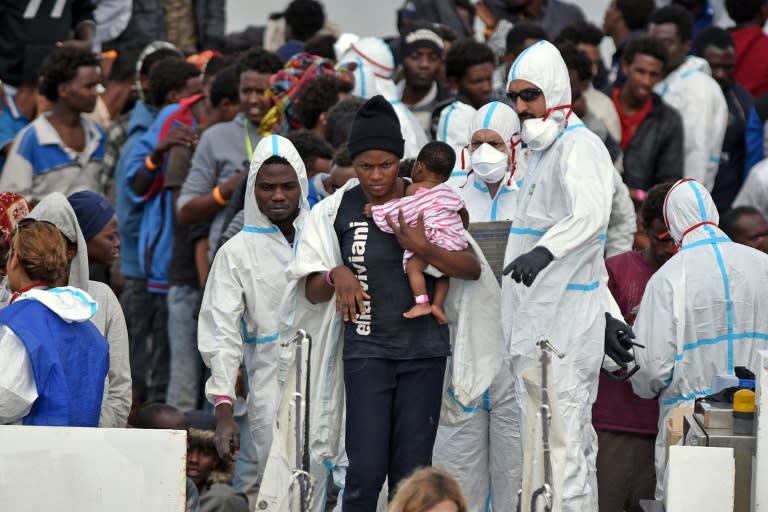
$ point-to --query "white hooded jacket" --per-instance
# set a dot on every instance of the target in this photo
(694, 93)
(703, 313)
(452, 129)
(239, 312)
(109, 318)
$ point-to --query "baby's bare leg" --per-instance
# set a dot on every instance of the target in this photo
(415, 271)
(441, 292)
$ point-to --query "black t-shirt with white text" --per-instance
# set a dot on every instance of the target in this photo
(376, 259)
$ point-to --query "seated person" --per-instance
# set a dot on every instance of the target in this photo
(210, 473)
(430, 201)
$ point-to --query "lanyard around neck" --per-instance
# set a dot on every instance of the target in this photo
(248, 145)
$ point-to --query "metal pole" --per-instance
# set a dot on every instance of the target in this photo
(545, 491)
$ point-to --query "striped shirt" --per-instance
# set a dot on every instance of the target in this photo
(440, 206)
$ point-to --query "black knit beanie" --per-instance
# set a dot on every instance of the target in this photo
(376, 127)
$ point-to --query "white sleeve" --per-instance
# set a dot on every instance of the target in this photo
(754, 192)
(655, 328)
(17, 172)
(118, 395)
(704, 130)
(17, 382)
(586, 179)
(623, 221)
(219, 337)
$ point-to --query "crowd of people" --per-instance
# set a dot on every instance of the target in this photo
(175, 201)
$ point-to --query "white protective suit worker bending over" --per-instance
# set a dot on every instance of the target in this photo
(238, 316)
(484, 453)
(703, 313)
(558, 289)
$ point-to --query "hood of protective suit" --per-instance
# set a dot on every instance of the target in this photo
(487, 162)
(498, 117)
(376, 53)
(542, 65)
(452, 127)
(273, 145)
(375, 68)
(71, 304)
(55, 209)
(688, 205)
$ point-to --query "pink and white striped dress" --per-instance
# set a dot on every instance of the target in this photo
(442, 222)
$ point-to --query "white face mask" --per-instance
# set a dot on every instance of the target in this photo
(489, 164)
(540, 133)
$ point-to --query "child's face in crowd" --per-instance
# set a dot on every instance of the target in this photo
(200, 462)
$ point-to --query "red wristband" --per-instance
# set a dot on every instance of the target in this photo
(328, 279)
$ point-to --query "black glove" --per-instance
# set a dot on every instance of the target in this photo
(618, 341)
(527, 266)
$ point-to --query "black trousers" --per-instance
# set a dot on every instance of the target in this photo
(393, 408)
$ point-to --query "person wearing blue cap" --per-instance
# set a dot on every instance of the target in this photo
(97, 220)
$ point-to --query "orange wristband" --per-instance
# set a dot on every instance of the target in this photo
(149, 164)
(216, 193)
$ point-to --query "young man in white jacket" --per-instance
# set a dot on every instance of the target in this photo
(238, 317)
(690, 88)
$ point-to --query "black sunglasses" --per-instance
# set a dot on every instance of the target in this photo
(527, 95)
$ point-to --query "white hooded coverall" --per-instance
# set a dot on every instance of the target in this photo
(238, 316)
(484, 454)
(703, 313)
(452, 129)
(694, 93)
(564, 206)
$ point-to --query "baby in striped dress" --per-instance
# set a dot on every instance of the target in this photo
(444, 218)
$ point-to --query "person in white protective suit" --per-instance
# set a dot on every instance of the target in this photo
(495, 165)
(452, 129)
(484, 454)
(374, 75)
(703, 313)
(238, 316)
(324, 277)
(554, 254)
(690, 88)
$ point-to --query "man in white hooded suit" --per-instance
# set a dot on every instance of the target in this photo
(238, 316)
(558, 291)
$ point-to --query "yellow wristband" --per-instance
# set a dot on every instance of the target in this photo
(149, 164)
(216, 193)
